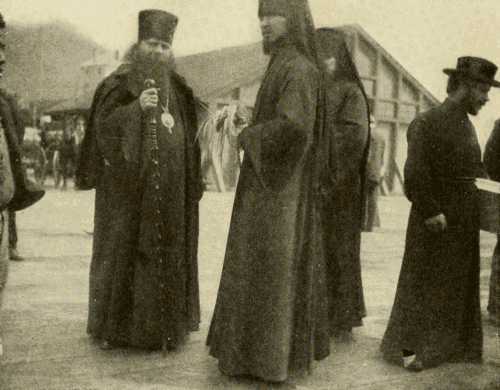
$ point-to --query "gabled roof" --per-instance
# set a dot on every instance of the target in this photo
(217, 72)
(71, 106)
(210, 74)
(390, 59)
(107, 58)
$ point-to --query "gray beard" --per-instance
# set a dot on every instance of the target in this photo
(268, 47)
(145, 69)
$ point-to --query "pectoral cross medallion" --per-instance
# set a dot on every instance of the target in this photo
(167, 119)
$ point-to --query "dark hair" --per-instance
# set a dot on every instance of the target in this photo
(453, 83)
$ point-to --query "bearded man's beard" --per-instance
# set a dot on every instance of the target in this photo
(150, 65)
(269, 47)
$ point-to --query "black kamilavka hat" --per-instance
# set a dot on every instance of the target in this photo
(300, 23)
(154, 23)
(273, 8)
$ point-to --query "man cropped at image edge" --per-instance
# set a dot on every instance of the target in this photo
(16, 192)
(436, 316)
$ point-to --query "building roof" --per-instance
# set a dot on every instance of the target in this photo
(390, 59)
(106, 58)
(210, 74)
(218, 72)
(71, 106)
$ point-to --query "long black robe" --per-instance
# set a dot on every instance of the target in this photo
(436, 312)
(271, 311)
(492, 164)
(347, 120)
(143, 276)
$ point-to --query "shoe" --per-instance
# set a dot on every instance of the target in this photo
(14, 255)
(412, 363)
(493, 319)
(344, 336)
(105, 346)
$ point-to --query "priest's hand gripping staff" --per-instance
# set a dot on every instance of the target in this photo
(152, 125)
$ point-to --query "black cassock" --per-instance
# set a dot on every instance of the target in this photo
(271, 312)
(143, 276)
(436, 311)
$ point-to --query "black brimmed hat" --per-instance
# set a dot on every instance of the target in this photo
(476, 69)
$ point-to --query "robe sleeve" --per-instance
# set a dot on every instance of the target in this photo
(18, 120)
(351, 133)
(119, 130)
(419, 182)
(274, 147)
(492, 154)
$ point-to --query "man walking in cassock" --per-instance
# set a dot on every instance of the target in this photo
(16, 192)
(436, 315)
(271, 313)
(140, 154)
(347, 121)
(492, 163)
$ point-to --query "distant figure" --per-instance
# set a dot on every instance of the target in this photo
(78, 135)
(436, 317)
(271, 319)
(492, 163)
(67, 155)
(375, 173)
(141, 156)
(347, 120)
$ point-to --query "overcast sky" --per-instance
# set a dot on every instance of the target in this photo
(424, 35)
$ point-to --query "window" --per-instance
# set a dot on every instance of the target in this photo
(386, 109)
(366, 58)
(408, 92)
(369, 86)
(407, 112)
(388, 81)
(235, 94)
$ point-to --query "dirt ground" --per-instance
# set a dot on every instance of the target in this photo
(44, 317)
